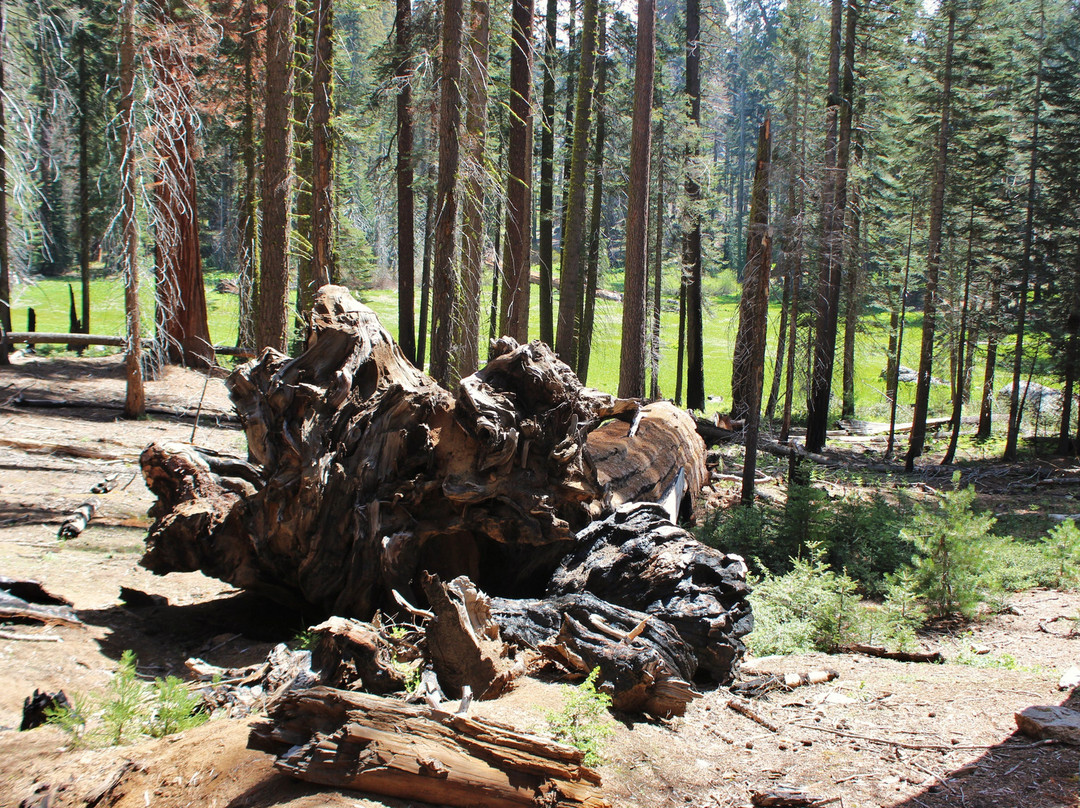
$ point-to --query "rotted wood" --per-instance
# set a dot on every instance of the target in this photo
(364, 472)
(358, 655)
(353, 740)
(16, 608)
(899, 656)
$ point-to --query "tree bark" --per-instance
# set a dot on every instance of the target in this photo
(893, 383)
(933, 260)
(754, 312)
(466, 354)
(1016, 413)
(403, 73)
(183, 331)
(323, 261)
(961, 346)
(547, 174)
(135, 401)
(425, 280)
(632, 357)
(272, 325)
(514, 309)
(695, 381)
(570, 272)
(834, 205)
(592, 273)
(5, 264)
(446, 283)
(248, 259)
(658, 271)
(84, 179)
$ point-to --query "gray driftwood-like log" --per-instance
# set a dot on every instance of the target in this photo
(364, 472)
(78, 519)
(352, 740)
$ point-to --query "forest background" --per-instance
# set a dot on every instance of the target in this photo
(824, 172)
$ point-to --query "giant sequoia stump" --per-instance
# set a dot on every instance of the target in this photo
(363, 473)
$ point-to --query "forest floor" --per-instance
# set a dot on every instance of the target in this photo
(882, 733)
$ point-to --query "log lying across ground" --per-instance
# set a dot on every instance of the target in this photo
(364, 474)
(353, 740)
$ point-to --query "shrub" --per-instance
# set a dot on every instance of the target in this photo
(948, 537)
(128, 709)
(583, 721)
(1062, 548)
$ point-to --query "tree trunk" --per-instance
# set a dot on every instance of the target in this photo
(323, 262)
(588, 314)
(183, 332)
(1016, 413)
(748, 376)
(834, 206)
(403, 73)
(893, 389)
(135, 401)
(851, 313)
(571, 276)
(514, 310)
(658, 270)
(272, 324)
(547, 174)
(446, 283)
(933, 260)
(425, 280)
(691, 259)
(781, 344)
(248, 259)
(5, 265)
(84, 181)
(1072, 359)
(466, 353)
(302, 200)
(632, 357)
(961, 346)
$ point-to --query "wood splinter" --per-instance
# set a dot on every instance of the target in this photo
(78, 520)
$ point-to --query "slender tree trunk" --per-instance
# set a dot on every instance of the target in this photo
(695, 382)
(834, 205)
(755, 313)
(658, 269)
(403, 72)
(248, 274)
(514, 310)
(466, 353)
(323, 262)
(1072, 350)
(5, 268)
(135, 401)
(781, 343)
(632, 358)
(680, 353)
(933, 260)
(961, 348)
(851, 312)
(496, 274)
(592, 272)
(302, 237)
(894, 358)
(445, 280)
(425, 280)
(1016, 411)
(272, 323)
(84, 181)
(547, 174)
(986, 406)
(571, 276)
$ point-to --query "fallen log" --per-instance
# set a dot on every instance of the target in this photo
(15, 608)
(78, 519)
(367, 473)
(899, 656)
(355, 654)
(357, 741)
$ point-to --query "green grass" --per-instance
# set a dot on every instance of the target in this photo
(49, 297)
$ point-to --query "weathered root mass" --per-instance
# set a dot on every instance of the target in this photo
(363, 474)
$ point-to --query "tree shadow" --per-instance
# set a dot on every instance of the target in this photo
(1019, 771)
(232, 630)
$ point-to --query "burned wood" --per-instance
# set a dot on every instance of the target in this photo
(643, 662)
(353, 740)
(37, 708)
(78, 519)
(744, 709)
(759, 686)
(900, 656)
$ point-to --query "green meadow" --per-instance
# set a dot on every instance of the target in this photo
(50, 299)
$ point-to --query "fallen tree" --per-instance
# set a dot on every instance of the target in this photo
(364, 474)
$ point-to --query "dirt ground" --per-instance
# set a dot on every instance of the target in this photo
(882, 733)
